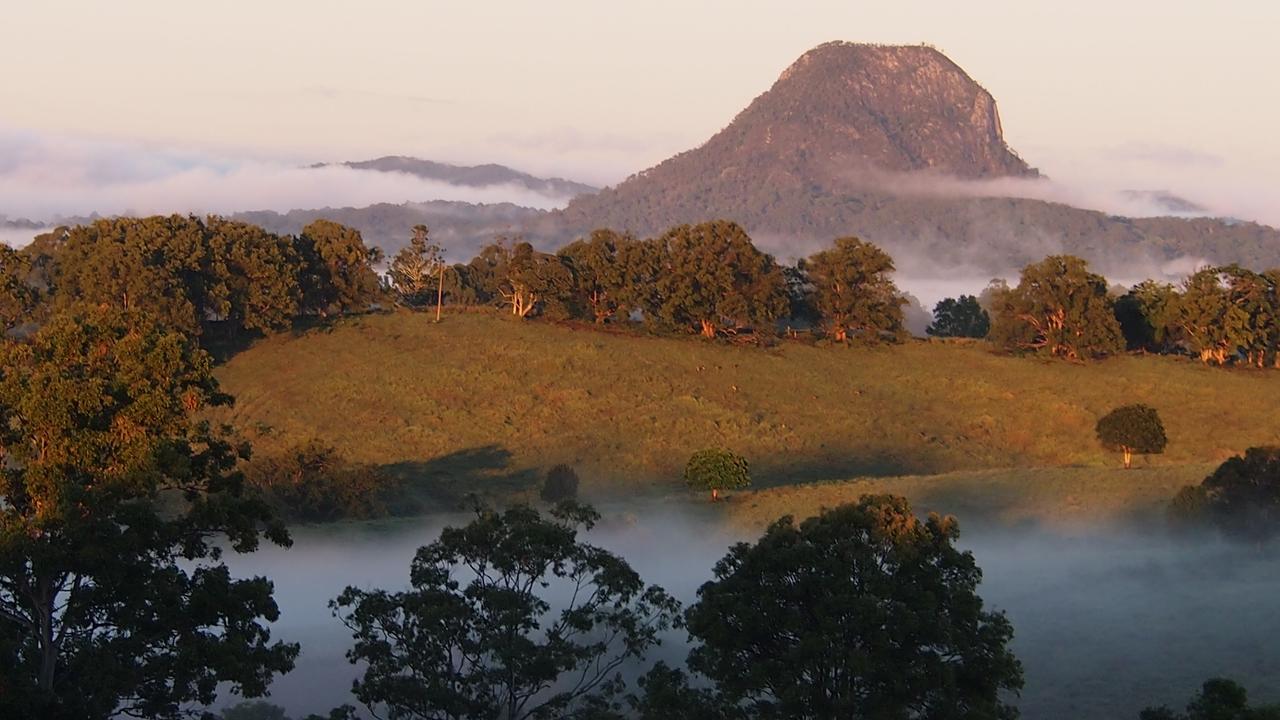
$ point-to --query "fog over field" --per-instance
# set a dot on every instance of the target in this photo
(1107, 620)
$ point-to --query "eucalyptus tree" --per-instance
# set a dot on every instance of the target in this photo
(115, 505)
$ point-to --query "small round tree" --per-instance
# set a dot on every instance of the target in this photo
(716, 469)
(561, 484)
(1132, 429)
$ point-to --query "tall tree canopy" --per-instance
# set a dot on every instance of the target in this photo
(862, 612)
(112, 596)
(853, 291)
(251, 277)
(475, 637)
(603, 265)
(18, 297)
(711, 278)
(1060, 309)
(197, 275)
(1225, 314)
(337, 269)
(1146, 316)
(414, 273)
(959, 317)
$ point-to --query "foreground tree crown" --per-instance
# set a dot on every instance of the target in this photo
(473, 638)
(1218, 699)
(1132, 429)
(1241, 497)
(863, 611)
(114, 505)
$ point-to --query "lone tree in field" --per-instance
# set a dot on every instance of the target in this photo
(716, 469)
(1132, 429)
(853, 292)
(512, 617)
(959, 317)
(865, 611)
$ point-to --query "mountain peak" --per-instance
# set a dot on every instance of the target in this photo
(848, 108)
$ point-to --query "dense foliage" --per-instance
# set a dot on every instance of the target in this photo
(862, 611)
(1059, 309)
(193, 275)
(314, 483)
(854, 293)
(1218, 699)
(474, 638)
(560, 484)
(1241, 497)
(1132, 429)
(959, 317)
(717, 469)
(710, 278)
(114, 506)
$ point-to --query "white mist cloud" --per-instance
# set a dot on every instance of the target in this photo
(17, 237)
(44, 177)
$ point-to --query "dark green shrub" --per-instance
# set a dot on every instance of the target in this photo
(560, 484)
(313, 483)
(716, 469)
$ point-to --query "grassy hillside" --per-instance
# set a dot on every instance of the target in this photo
(482, 402)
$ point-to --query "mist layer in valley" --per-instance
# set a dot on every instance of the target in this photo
(1107, 620)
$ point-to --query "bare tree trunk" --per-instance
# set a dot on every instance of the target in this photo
(708, 329)
(1128, 458)
(44, 602)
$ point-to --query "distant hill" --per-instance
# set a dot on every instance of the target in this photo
(881, 142)
(462, 228)
(473, 176)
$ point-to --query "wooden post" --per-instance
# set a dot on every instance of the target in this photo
(440, 291)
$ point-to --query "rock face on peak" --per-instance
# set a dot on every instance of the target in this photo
(881, 142)
(844, 107)
(840, 120)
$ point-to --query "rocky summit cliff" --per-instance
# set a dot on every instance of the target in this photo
(879, 141)
(838, 120)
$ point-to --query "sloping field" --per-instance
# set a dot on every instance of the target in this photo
(482, 402)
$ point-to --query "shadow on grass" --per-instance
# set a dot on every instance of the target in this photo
(776, 472)
(448, 482)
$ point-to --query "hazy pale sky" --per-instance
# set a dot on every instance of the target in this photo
(1164, 94)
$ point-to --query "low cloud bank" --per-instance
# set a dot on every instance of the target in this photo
(44, 178)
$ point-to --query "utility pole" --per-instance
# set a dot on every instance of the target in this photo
(440, 291)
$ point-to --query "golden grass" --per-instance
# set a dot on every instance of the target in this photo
(481, 399)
